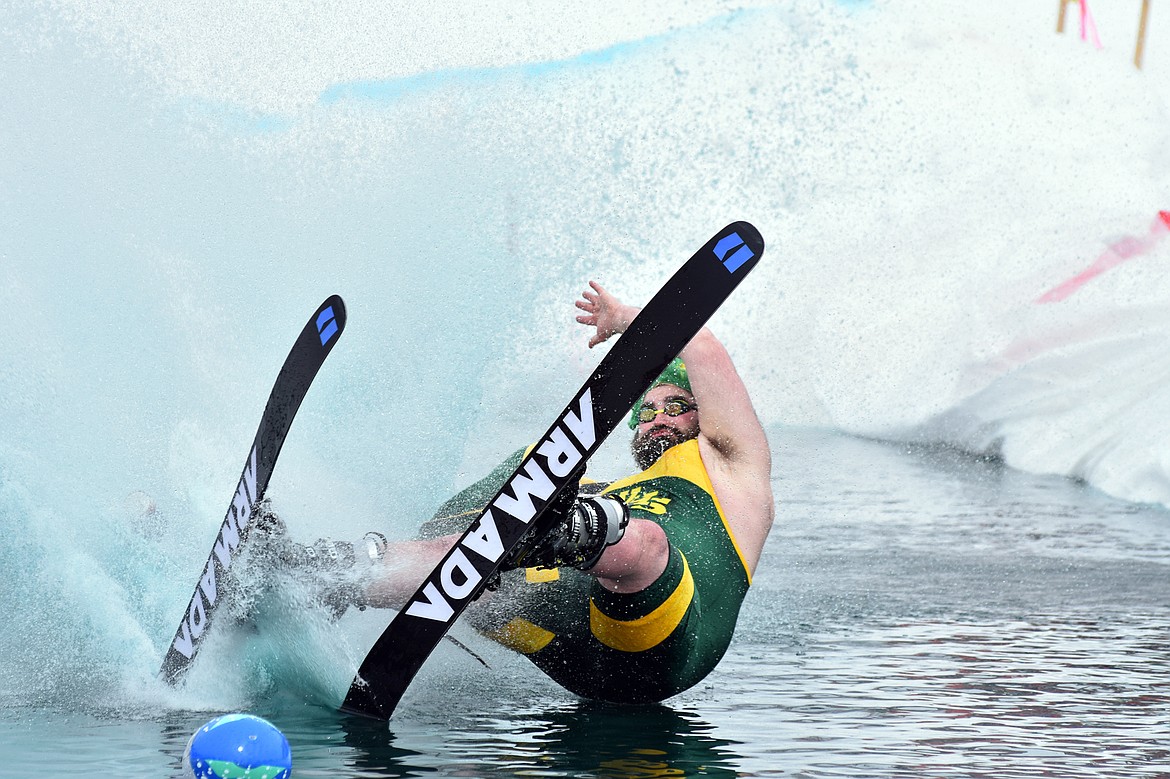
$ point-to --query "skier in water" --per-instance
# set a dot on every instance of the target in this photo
(634, 594)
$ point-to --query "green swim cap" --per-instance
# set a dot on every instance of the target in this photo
(675, 374)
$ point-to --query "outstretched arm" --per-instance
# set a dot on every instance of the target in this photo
(731, 439)
(726, 416)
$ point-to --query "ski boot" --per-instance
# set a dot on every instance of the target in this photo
(335, 571)
(581, 530)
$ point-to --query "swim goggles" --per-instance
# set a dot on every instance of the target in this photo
(672, 408)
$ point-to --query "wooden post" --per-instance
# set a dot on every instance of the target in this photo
(1060, 16)
(1141, 37)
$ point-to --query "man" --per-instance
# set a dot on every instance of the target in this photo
(634, 596)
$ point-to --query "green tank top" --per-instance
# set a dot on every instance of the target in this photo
(642, 647)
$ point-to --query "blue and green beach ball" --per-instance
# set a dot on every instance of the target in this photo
(238, 746)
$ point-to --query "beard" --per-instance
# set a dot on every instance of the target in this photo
(647, 447)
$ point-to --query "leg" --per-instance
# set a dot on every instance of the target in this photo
(596, 535)
(636, 561)
(630, 565)
(404, 566)
(592, 535)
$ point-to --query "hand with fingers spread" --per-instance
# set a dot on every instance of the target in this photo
(604, 312)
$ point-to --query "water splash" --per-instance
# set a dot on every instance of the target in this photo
(170, 218)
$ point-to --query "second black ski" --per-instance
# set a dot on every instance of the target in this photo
(312, 346)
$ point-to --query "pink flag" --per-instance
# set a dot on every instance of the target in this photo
(1118, 251)
(1088, 26)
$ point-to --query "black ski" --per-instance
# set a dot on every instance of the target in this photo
(300, 367)
(664, 326)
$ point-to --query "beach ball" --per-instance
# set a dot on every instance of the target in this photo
(238, 746)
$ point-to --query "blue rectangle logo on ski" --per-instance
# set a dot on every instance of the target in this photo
(732, 252)
(326, 325)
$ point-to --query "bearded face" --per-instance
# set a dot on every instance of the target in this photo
(648, 445)
(654, 437)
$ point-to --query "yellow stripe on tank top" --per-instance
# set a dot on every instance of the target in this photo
(638, 635)
(686, 462)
